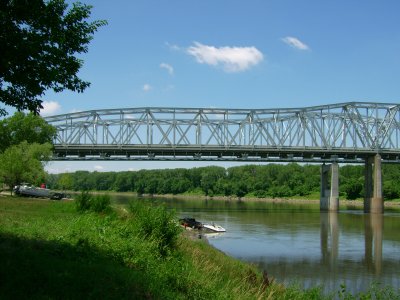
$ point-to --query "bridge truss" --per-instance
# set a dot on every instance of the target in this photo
(347, 132)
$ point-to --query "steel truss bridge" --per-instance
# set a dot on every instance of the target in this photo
(344, 132)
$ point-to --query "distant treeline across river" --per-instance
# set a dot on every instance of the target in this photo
(272, 180)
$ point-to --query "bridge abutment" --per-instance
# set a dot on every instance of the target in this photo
(329, 200)
(373, 199)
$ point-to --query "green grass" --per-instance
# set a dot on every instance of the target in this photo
(48, 250)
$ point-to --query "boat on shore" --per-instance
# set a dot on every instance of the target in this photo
(207, 227)
(190, 223)
(213, 227)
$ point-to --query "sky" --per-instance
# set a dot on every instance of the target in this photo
(234, 54)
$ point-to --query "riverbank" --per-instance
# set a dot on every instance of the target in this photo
(358, 203)
(52, 251)
(303, 200)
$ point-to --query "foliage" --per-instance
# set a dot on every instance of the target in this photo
(65, 182)
(209, 177)
(272, 180)
(24, 163)
(157, 224)
(82, 201)
(352, 188)
(100, 203)
(123, 183)
(38, 43)
(97, 203)
(391, 190)
(24, 127)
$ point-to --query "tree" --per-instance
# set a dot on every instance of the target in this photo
(123, 182)
(65, 182)
(25, 127)
(81, 181)
(209, 178)
(24, 163)
(391, 190)
(352, 188)
(38, 43)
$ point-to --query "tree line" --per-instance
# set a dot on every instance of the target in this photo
(272, 180)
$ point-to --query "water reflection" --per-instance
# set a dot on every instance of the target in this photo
(373, 242)
(373, 231)
(329, 238)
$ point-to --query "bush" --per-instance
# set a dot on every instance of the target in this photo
(280, 191)
(390, 190)
(353, 189)
(100, 203)
(86, 201)
(156, 223)
(82, 201)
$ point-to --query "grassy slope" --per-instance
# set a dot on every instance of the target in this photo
(47, 250)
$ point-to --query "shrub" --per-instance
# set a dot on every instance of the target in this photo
(86, 201)
(390, 190)
(82, 201)
(156, 223)
(100, 203)
(353, 189)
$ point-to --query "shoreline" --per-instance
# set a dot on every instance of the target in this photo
(342, 202)
(357, 202)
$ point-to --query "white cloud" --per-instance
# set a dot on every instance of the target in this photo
(147, 87)
(232, 59)
(98, 168)
(295, 43)
(50, 108)
(168, 67)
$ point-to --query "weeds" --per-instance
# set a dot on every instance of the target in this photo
(97, 203)
(100, 203)
(82, 201)
(157, 224)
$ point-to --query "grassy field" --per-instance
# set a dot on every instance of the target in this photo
(48, 250)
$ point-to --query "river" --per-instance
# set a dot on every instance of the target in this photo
(298, 244)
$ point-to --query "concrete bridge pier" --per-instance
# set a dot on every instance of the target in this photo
(329, 200)
(373, 199)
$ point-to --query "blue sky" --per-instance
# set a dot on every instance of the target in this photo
(235, 54)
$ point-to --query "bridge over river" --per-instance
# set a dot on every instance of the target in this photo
(353, 132)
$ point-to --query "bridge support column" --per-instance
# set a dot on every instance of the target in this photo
(373, 199)
(329, 200)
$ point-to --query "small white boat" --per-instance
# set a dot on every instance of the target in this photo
(213, 227)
